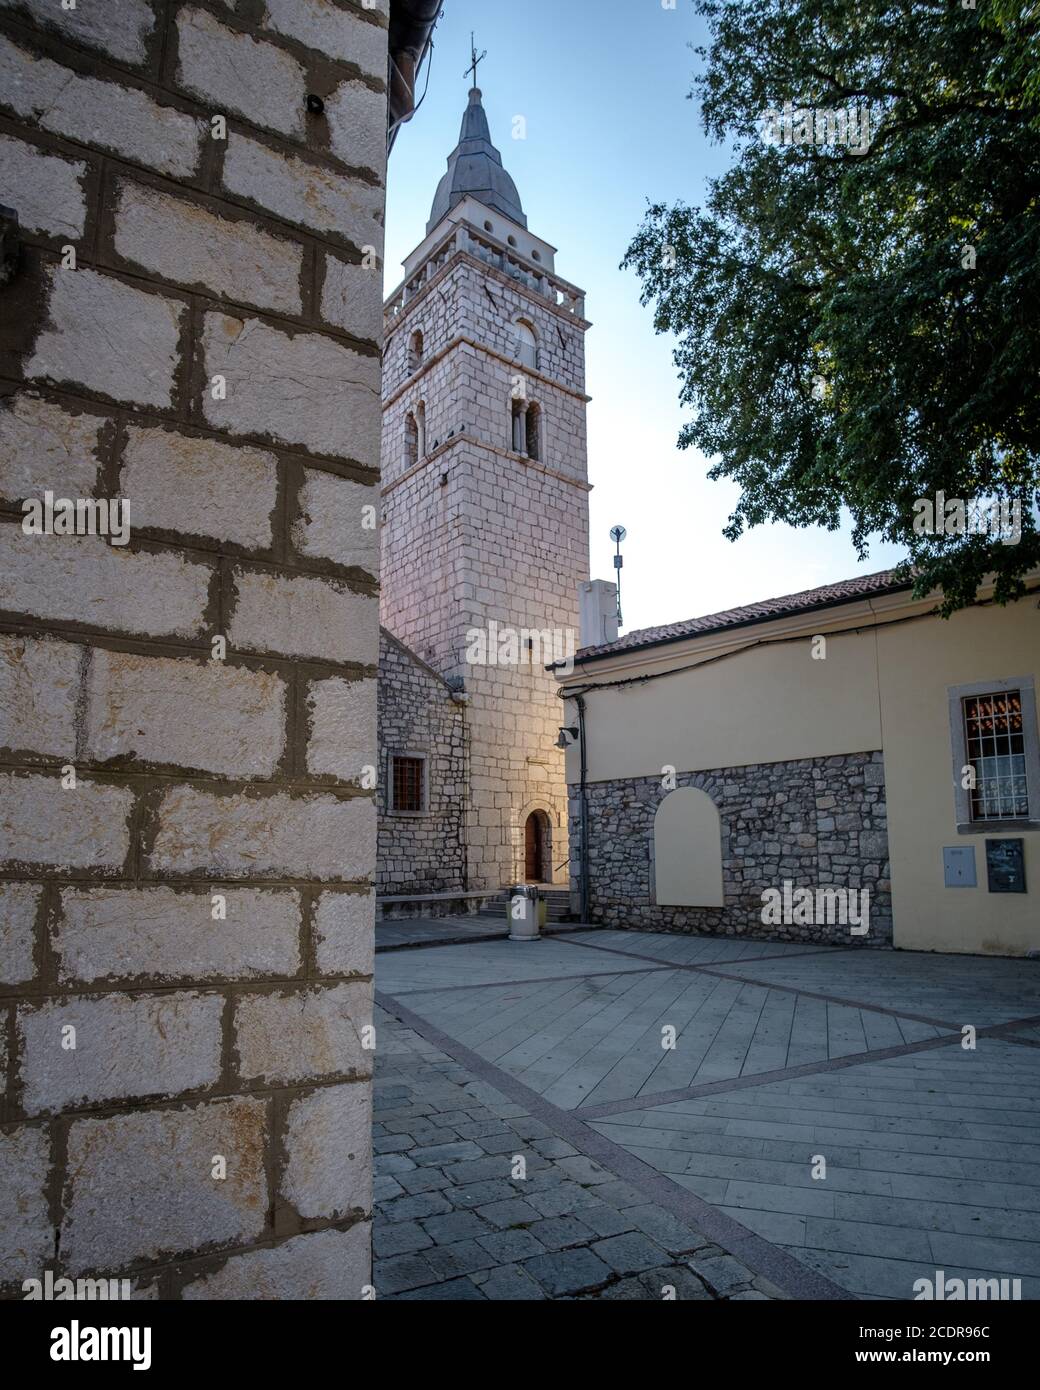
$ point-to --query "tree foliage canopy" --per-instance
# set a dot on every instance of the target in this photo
(863, 330)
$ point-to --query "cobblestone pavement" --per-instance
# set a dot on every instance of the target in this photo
(453, 1221)
(783, 1055)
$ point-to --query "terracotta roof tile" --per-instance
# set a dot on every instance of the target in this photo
(827, 595)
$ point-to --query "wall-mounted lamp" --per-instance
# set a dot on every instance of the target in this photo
(566, 736)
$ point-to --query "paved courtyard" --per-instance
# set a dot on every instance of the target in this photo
(691, 1167)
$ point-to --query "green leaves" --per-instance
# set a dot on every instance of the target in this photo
(863, 330)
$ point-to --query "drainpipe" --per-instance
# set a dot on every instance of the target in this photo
(410, 37)
(464, 810)
(583, 807)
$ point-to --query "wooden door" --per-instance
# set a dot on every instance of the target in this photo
(533, 848)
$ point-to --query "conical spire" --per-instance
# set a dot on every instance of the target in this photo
(475, 170)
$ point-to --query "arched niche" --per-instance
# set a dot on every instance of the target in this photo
(688, 850)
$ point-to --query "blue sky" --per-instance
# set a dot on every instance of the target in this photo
(603, 87)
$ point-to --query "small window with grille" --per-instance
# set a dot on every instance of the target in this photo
(407, 784)
(994, 737)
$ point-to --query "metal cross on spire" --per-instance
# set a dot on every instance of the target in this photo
(474, 59)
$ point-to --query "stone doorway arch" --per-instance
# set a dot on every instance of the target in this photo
(537, 848)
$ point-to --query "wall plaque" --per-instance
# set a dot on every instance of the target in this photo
(1005, 866)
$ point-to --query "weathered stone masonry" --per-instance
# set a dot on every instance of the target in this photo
(474, 532)
(816, 822)
(420, 713)
(198, 905)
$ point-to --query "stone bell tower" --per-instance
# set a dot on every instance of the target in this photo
(485, 495)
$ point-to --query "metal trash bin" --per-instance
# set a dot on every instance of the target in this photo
(522, 910)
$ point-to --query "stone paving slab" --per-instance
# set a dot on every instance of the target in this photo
(932, 1164)
(493, 962)
(399, 933)
(693, 950)
(956, 989)
(586, 1041)
(782, 1053)
(568, 1228)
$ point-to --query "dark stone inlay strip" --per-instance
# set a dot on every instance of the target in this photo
(1006, 1031)
(758, 1254)
(537, 980)
(438, 941)
(1000, 1031)
(786, 955)
(763, 1078)
(499, 934)
(743, 960)
(831, 998)
(724, 974)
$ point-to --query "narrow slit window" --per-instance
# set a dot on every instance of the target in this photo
(411, 440)
(532, 430)
(415, 351)
(518, 427)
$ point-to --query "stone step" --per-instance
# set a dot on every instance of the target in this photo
(557, 900)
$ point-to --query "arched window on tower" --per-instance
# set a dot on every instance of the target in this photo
(532, 432)
(420, 428)
(411, 441)
(527, 428)
(526, 344)
(415, 351)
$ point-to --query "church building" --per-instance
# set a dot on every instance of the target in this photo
(484, 539)
(840, 766)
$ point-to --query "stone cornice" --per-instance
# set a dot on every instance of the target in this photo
(861, 614)
(493, 273)
(463, 437)
(463, 338)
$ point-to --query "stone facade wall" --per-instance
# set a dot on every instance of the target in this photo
(475, 533)
(186, 845)
(474, 303)
(424, 853)
(816, 822)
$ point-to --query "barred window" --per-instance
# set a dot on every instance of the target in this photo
(995, 745)
(408, 782)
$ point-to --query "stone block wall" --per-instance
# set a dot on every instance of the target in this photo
(816, 822)
(187, 845)
(418, 713)
(470, 303)
(475, 533)
(477, 537)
